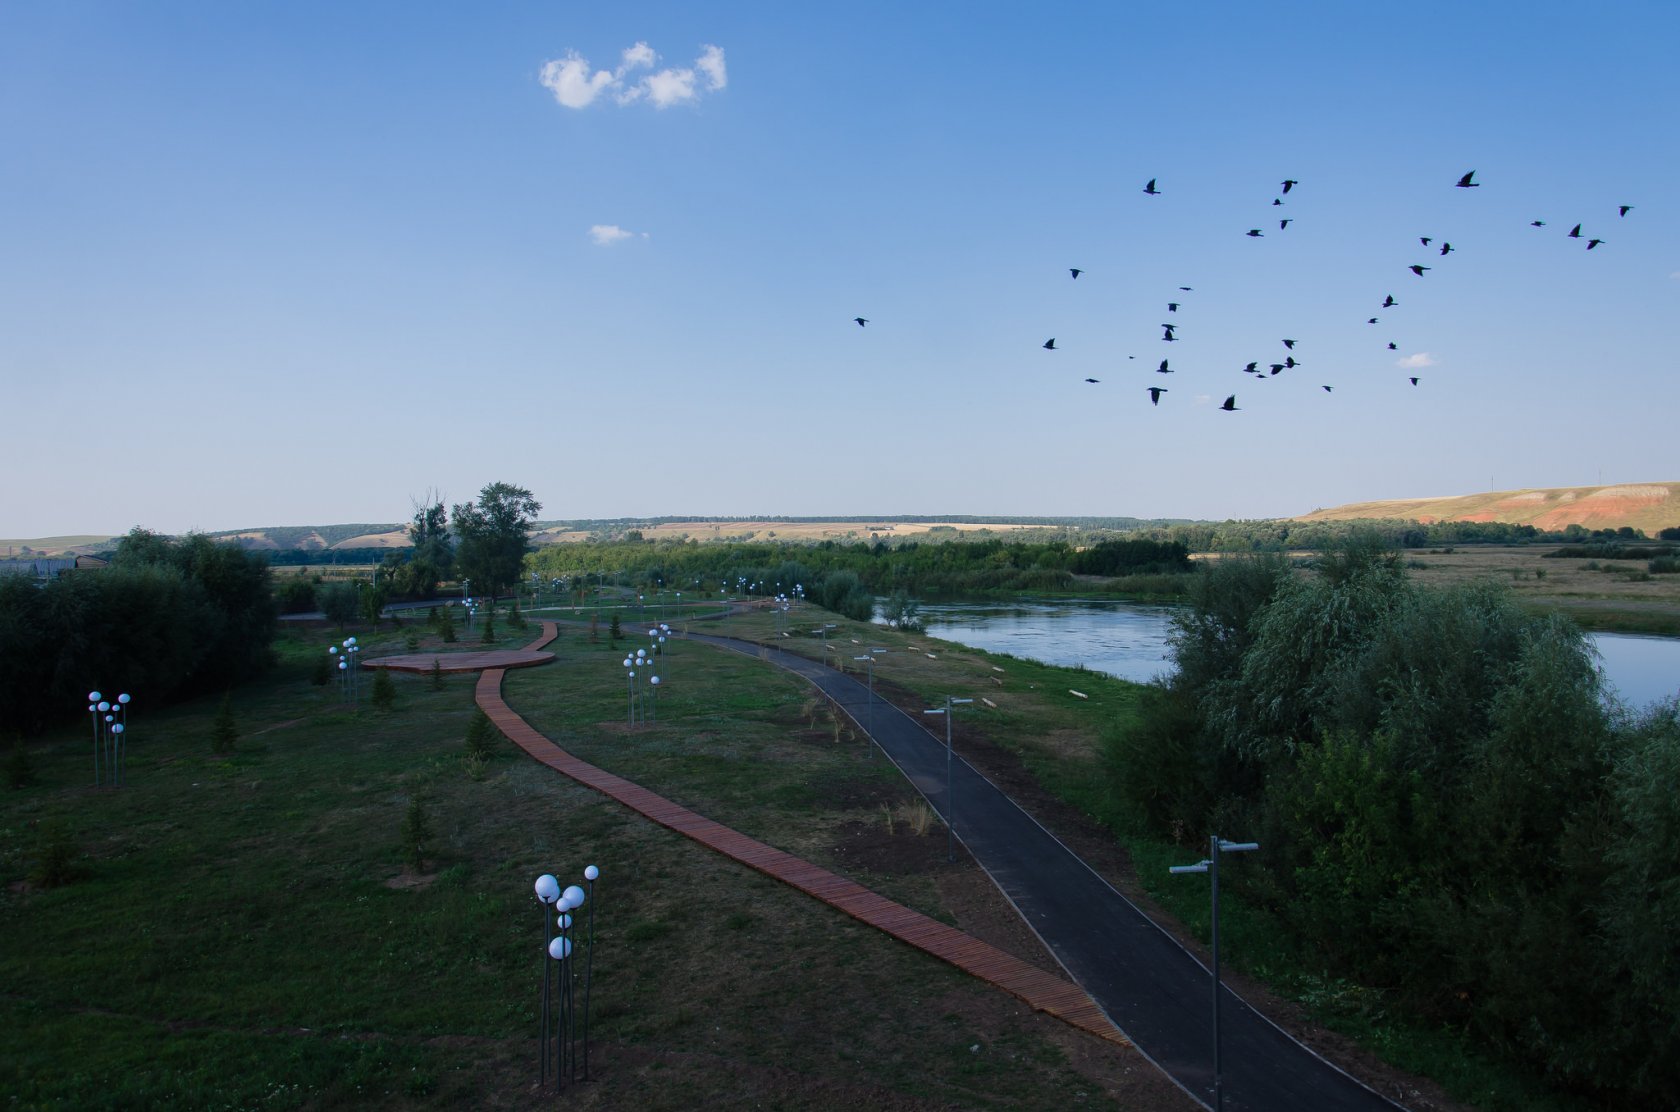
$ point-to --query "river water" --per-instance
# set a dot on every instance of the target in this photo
(1129, 640)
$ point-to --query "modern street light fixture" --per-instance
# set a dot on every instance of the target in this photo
(560, 1019)
(1210, 865)
(630, 686)
(950, 797)
(869, 663)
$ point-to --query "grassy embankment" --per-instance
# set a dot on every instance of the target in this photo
(1611, 596)
(243, 932)
(1039, 728)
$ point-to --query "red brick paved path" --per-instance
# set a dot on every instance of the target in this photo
(1043, 991)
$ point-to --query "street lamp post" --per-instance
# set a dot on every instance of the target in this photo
(869, 663)
(950, 797)
(1210, 866)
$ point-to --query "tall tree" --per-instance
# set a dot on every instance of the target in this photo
(493, 536)
(433, 556)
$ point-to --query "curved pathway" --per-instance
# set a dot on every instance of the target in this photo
(1146, 982)
(1043, 991)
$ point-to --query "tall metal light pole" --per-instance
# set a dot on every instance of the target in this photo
(950, 798)
(869, 663)
(1210, 865)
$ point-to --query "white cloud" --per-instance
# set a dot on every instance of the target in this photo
(571, 81)
(1412, 362)
(710, 63)
(1676, 274)
(668, 87)
(608, 234)
(575, 84)
(640, 56)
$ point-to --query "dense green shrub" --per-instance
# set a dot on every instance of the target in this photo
(1450, 810)
(166, 619)
(295, 594)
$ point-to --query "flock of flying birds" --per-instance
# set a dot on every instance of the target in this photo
(1262, 369)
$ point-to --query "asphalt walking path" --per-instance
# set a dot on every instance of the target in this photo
(1043, 991)
(1155, 991)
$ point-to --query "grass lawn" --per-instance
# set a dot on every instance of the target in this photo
(243, 931)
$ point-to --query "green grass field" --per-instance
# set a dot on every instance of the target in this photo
(242, 932)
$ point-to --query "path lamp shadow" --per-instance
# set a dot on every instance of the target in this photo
(950, 799)
(1210, 865)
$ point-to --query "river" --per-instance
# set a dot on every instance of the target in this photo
(1129, 640)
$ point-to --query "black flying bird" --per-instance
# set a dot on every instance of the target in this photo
(1150, 188)
(1445, 248)
(1163, 369)
(1425, 240)
(1172, 306)
(1373, 320)
(1289, 184)
(1466, 183)
(1290, 344)
(1155, 393)
(1050, 344)
(1255, 232)
(1277, 201)
(1075, 271)
(1418, 270)
(1392, 346)
(1536, 223)
(1250, 369)
(1575, 232)
(1389, 302)
(1622, 210)
(1591, 243)
(1282, 224)
(1230, 405)
(1414, 380)
(1327, 389)
(1093, 380)
(1277, 368)
(861, 321)
(1169, 337)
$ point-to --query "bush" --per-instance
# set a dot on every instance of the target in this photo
(224, 731)
(323, 671)
(416, 835)
(437, 675)
(480, 735)
(20, 770)
(296, 595)
(489, 635)
(1664, 565)
(446, 625)
(340, 602)
(383, 694)
(56, 865)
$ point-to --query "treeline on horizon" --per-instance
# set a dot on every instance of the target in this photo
(1450, 811)
(771, 567)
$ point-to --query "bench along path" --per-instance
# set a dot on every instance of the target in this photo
(1042, 991)
(1153, 989)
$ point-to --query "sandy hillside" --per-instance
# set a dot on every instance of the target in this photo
(1646, 506)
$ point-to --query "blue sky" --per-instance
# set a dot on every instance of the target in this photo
(298, 263)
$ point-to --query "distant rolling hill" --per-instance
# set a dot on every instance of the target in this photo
(1646, 506)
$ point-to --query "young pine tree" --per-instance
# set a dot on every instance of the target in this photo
(224, 732)
(384, 693)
